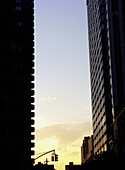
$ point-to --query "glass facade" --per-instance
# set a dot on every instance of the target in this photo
(96, 27)
(107, 67)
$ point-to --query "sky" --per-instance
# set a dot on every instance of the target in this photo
(62, 84)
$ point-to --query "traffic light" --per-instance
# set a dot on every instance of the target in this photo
(56, 157)
(52, 157)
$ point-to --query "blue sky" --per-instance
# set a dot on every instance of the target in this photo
(62, 61)
(62, 64)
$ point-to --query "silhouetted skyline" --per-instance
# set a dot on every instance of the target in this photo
(63, 103)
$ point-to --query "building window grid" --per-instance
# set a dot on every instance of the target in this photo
(95, 104)
(94, 84)
(99, 121)
(100, 140)
(95, 65)
(100, 68)
(100, 127)
(96, 119)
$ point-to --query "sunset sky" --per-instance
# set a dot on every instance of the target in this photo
(63, 112)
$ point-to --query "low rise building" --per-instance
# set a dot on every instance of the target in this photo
(41, 166)
(71, 166)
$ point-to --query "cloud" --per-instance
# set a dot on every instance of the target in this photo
(65, 133)
(66, 139)
(48, 98)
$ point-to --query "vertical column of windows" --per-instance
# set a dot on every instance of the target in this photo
(97, 85)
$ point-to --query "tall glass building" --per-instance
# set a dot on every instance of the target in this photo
(16, 83)
(106, 29)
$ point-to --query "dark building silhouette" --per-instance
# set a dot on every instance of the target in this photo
(16, 83)
(71, 166)
(104, 161)
(118, 144)
(41, 166)
(84, 150)
(87, 149)
(106, 27)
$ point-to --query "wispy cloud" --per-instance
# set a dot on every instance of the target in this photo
(48, 98)
(65, 133)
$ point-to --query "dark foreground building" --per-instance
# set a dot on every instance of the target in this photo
(41, 166)
(16, 86)
(106, 24)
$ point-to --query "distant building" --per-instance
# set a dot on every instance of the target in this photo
(87, 149)
(106, 28)
(84, 149)
(41, 166)
(16, 83)
(71, 166)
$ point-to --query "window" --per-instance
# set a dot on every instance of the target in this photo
(3, 45)
(18, 1)
(18, 8)
(102, 27)
(102, 9)
(13, 47)
(19, 24)
(102, 18)
(101, 2)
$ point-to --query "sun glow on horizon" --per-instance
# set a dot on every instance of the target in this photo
(66, 139)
